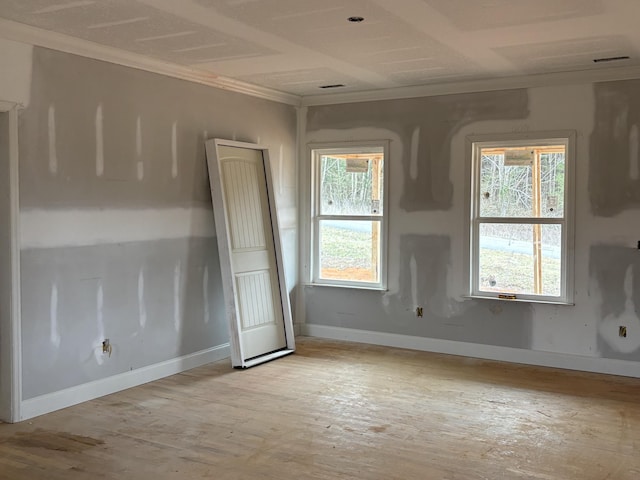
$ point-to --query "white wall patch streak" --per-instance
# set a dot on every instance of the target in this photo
(99, 142)
(281, 170)
(413, 269)
(139, 136)
(174, 150)
(634, 149)
(176, 296)
(53, 316)
(53, 155)
(415, 144)
(140, 170)
(139, 163)
(142, 308)
(205, 293)
(97, 346)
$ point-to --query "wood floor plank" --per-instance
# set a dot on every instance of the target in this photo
(338, 410)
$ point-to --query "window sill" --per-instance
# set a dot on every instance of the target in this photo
(520, 300)
(350, 287)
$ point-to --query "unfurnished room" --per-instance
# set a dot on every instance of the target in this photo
(340, 239)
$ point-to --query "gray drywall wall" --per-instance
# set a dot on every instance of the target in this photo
(72, 92)
(421, 131)
(615, 271)
(5, 271)
(427, 264)
(614, 176)
(118, 238)
(487, 322)
(425, 128)
(146, 297)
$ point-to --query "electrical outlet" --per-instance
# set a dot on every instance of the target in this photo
(106, 346)
(418, 311)
(622, 331)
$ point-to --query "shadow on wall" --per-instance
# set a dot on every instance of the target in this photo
(616, 272)
(614, 174)
(424, 267)
(425, 127)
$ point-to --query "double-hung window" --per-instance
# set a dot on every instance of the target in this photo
(349, 215)
(521, 218)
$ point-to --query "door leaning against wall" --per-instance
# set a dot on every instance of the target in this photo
(256, 299)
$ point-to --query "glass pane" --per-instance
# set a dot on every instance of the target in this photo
(523, 259)
(505, 191)
(506, 258)
(552, 184)
(350, 250)
(522, 181)
(551, 249)
(351, 184)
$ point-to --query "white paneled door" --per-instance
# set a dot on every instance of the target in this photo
(250, 255)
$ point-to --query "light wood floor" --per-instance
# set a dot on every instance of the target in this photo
(343, 411)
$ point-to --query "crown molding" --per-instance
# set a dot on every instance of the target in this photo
(20, 32)
(485, 85)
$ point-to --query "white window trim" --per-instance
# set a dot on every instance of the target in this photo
(474, 143)
(339, 147)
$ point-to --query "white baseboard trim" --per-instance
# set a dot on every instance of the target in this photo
(50, 402)
(487, 352)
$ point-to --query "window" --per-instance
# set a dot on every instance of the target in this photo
(521, 211)
(349, 215)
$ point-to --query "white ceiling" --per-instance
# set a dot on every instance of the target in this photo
(296, 46)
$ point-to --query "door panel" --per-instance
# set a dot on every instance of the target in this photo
(252, 251)
(244, 202)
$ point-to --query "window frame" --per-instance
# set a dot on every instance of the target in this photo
(317, 150)
(475, 144)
